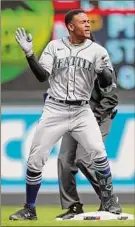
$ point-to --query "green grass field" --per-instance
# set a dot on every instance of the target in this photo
(46, 217)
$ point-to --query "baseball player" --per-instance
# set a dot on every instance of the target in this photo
(103, 106)
(71, 65)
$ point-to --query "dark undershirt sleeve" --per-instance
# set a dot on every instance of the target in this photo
(40, 73)
(105, 78)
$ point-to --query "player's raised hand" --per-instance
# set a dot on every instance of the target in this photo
(24, 40)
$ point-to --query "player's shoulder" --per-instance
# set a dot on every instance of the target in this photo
(55, 42)
(98, 47)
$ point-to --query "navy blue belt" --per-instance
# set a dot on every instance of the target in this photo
(76, 102)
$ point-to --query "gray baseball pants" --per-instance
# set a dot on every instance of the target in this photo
(58, 119)
(71, 157)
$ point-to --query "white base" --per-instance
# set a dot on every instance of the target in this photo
(103, 215)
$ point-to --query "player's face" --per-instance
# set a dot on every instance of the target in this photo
(80, 25)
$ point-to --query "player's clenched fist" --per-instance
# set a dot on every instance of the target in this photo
(24, 40)
(101, 64)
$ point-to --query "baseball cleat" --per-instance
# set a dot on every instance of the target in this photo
(27, 213)
(112, 205)
(73, 210)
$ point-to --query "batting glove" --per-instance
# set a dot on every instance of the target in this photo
(25, 41)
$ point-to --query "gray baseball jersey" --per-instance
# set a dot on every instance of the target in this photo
(72, 71)
(72, 68)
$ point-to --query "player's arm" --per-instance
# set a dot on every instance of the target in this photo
(104, 70)
(105, 78)
(112, 86)
(41, 68)
(107, 101)
(40, 73)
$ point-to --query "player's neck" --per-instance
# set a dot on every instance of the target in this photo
(76, 40)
